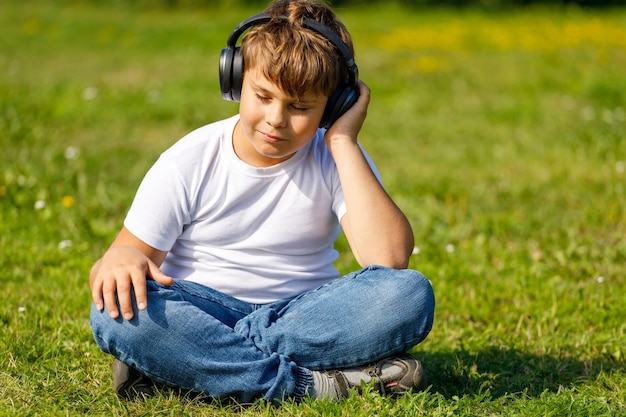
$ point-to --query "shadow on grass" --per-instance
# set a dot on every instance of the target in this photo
(506, 371)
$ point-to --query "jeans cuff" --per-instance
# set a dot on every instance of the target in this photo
(304, 383)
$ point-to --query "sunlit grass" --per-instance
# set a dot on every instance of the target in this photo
(532, 32)
(501, 135)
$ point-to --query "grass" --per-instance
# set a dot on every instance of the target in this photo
(501, 135)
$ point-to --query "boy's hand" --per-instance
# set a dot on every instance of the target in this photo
(349, 124)
(121, 269)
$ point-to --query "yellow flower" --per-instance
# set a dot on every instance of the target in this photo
(67, 201)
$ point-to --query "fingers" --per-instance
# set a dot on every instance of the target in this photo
(109, 294)
(364, 91)
(96, 286)
(364, 97)
(117, 291)
(139, 285)
(124, 299)
(350, 123)
(364, 100)
(157, 275)
(96, 295)
(114, 290)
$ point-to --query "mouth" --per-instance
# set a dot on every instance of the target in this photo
(271, 138)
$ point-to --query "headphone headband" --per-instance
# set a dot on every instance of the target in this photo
(314, 25)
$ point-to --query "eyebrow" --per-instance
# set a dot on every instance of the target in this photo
(302, 100)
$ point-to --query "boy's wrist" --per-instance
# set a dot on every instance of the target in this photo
(340, 142)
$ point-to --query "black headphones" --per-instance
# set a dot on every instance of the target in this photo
(232, 68)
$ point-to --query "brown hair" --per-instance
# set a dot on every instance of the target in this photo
(297, 59)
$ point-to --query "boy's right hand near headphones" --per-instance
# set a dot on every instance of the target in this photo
(350, 123)
(123, 268)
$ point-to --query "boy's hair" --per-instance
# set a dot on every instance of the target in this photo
(298, 60)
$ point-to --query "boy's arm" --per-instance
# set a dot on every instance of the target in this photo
(376, 229)
(125, 265)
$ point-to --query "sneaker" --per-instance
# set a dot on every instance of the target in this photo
(394, 375)
(129, 383)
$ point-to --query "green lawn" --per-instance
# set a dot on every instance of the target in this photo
(501, 135)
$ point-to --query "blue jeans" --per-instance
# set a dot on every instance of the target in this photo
(199, 339)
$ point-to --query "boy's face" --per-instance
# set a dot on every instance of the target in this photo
(273, 126)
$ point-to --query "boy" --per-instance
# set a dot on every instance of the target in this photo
(222, 279)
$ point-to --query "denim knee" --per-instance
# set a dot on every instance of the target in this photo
(423, 296)
(119, 336)
(100, 322)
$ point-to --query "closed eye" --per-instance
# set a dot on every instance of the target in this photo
(299, 108)
(263, 99)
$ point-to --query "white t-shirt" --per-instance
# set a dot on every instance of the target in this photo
(257, 234)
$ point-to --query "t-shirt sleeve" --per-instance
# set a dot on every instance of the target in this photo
(160, 209)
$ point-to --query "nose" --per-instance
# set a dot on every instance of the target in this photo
(276, 114)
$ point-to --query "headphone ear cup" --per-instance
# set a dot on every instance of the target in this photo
(226, 66)
(231, 73)
(237, 74)
(338, 103)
